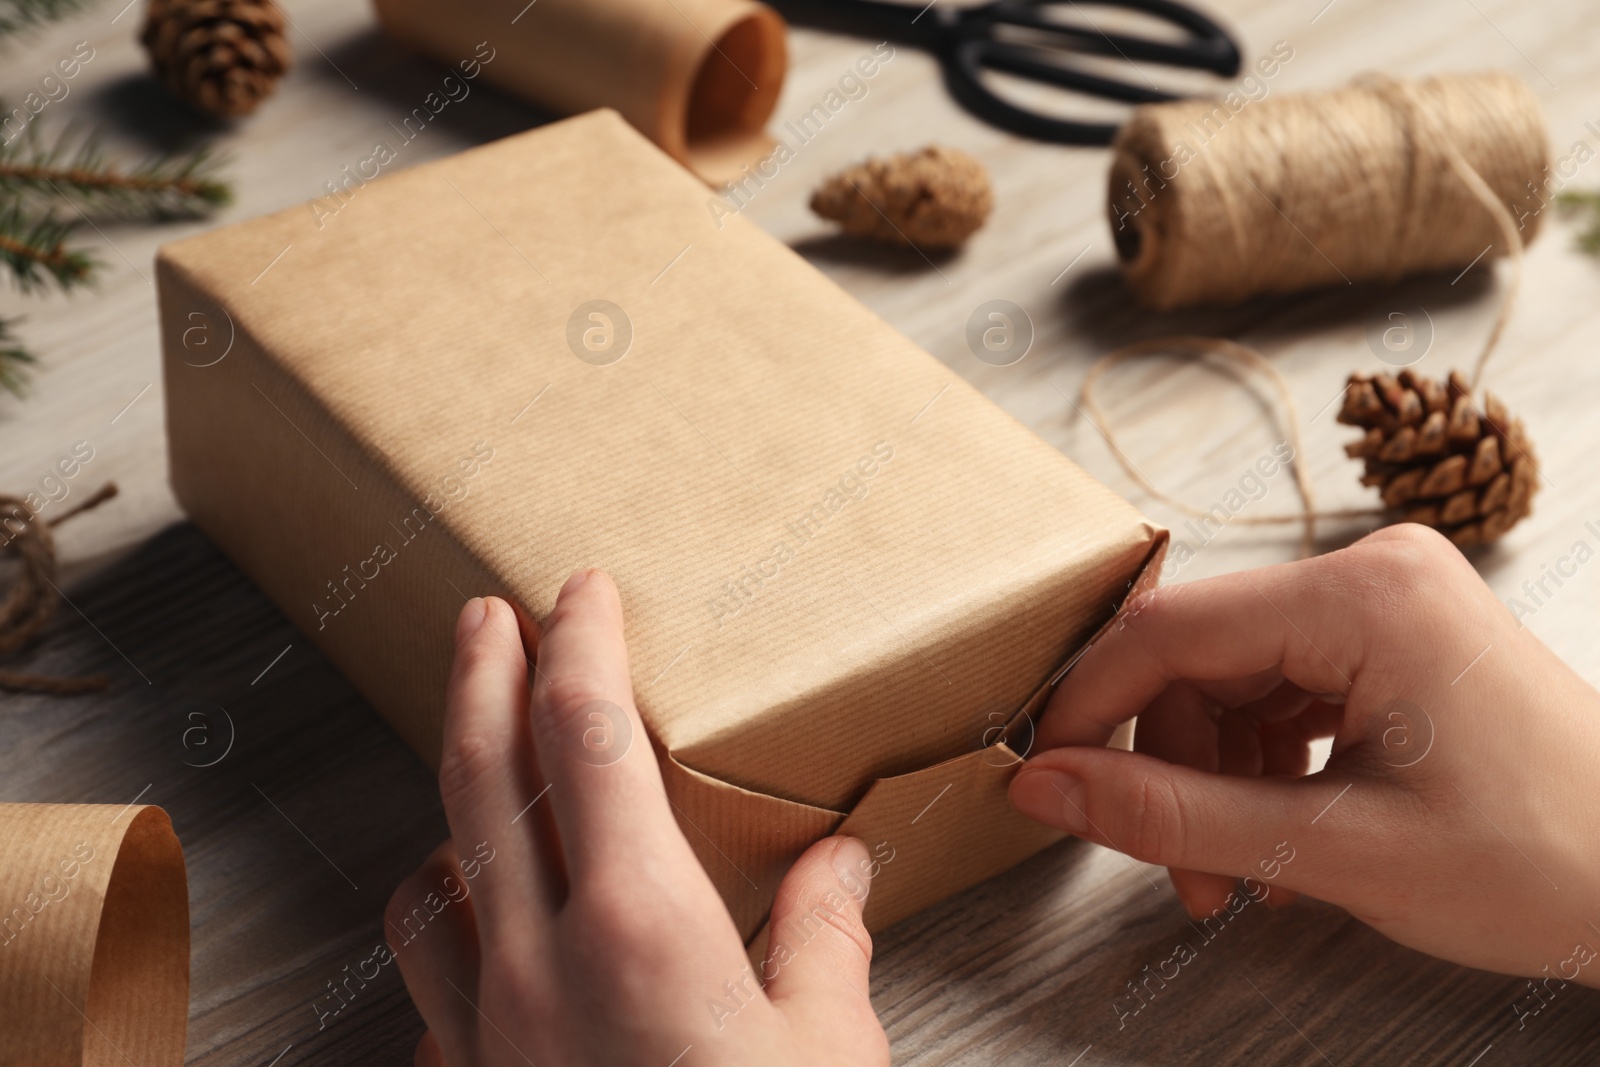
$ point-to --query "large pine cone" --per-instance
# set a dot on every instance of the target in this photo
(1469, 474)
(935, 198)
(221, 56)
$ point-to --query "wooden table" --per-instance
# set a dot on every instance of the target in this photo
(295, 839)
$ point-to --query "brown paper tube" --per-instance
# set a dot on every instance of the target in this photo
(700, 78)
(94, 937)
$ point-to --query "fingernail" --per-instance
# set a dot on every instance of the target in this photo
(853, 867)
(1052, 797)
(473, 612)
(573, 583)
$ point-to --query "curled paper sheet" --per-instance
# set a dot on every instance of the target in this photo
(700, 78)
(94, 937)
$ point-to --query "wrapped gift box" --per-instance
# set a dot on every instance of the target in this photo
(848, 577)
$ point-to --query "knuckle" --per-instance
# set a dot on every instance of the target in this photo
(846, 925)
(467, 761)
(1157, 820)
(611, 919)
(1158, 600)
(515, 977)
(572, 610)
(1393, 576)
(827, 921)
(1412, 559)
(1146, 605)
(478, 654)
(566, 693)
(617, 915)
(1407, 533)
(567, 696)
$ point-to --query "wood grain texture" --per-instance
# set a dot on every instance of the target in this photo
(296, 837)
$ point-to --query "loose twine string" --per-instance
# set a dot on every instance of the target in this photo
(30, 604)
(1407, 110)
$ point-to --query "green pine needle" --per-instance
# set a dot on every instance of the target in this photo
(36, 177)
(34, 248)
(14, 360)
(19, 15)
(1585, 202)
(75, 168)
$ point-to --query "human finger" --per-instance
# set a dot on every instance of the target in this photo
(432, 933)
(1290, 617)
(819, 952)
(487, 775)
(1180, 726)
(606, 790)
(1175, 816)
(1200, 892)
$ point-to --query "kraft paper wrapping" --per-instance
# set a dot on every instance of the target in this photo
(94, 937)
(846, 573)
(700, 78)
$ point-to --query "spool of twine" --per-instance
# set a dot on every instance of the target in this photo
(1372, 182)
(30, 603)
(1369, 183)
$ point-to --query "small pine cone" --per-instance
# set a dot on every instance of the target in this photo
(935, 198)
(1437, 458)
(222, 57)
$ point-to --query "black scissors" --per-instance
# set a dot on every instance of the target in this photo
(968, 40)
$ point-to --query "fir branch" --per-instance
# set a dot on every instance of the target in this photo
(1584, 202)
(34, 248)
(19, 15)
(14, 359)
(164, 186)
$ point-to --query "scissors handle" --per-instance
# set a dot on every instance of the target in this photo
(967, 42)
(963, 77)
(1208, 46)
(973, 46)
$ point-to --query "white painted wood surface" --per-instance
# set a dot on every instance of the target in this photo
(1046, 248)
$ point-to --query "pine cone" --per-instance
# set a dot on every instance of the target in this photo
(935, 198)
(221, 56)
(1469, 474)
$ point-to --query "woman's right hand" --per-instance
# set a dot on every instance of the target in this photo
(1459, 813)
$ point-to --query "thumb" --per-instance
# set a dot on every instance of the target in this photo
(1179, 817)
(818, 951)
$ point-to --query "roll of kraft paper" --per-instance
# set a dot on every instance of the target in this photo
(94, 937)
(700, 78)
(1213, 202)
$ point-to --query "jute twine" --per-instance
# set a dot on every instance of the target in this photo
(1391, 178)
(30, 603)
(1294, 192)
